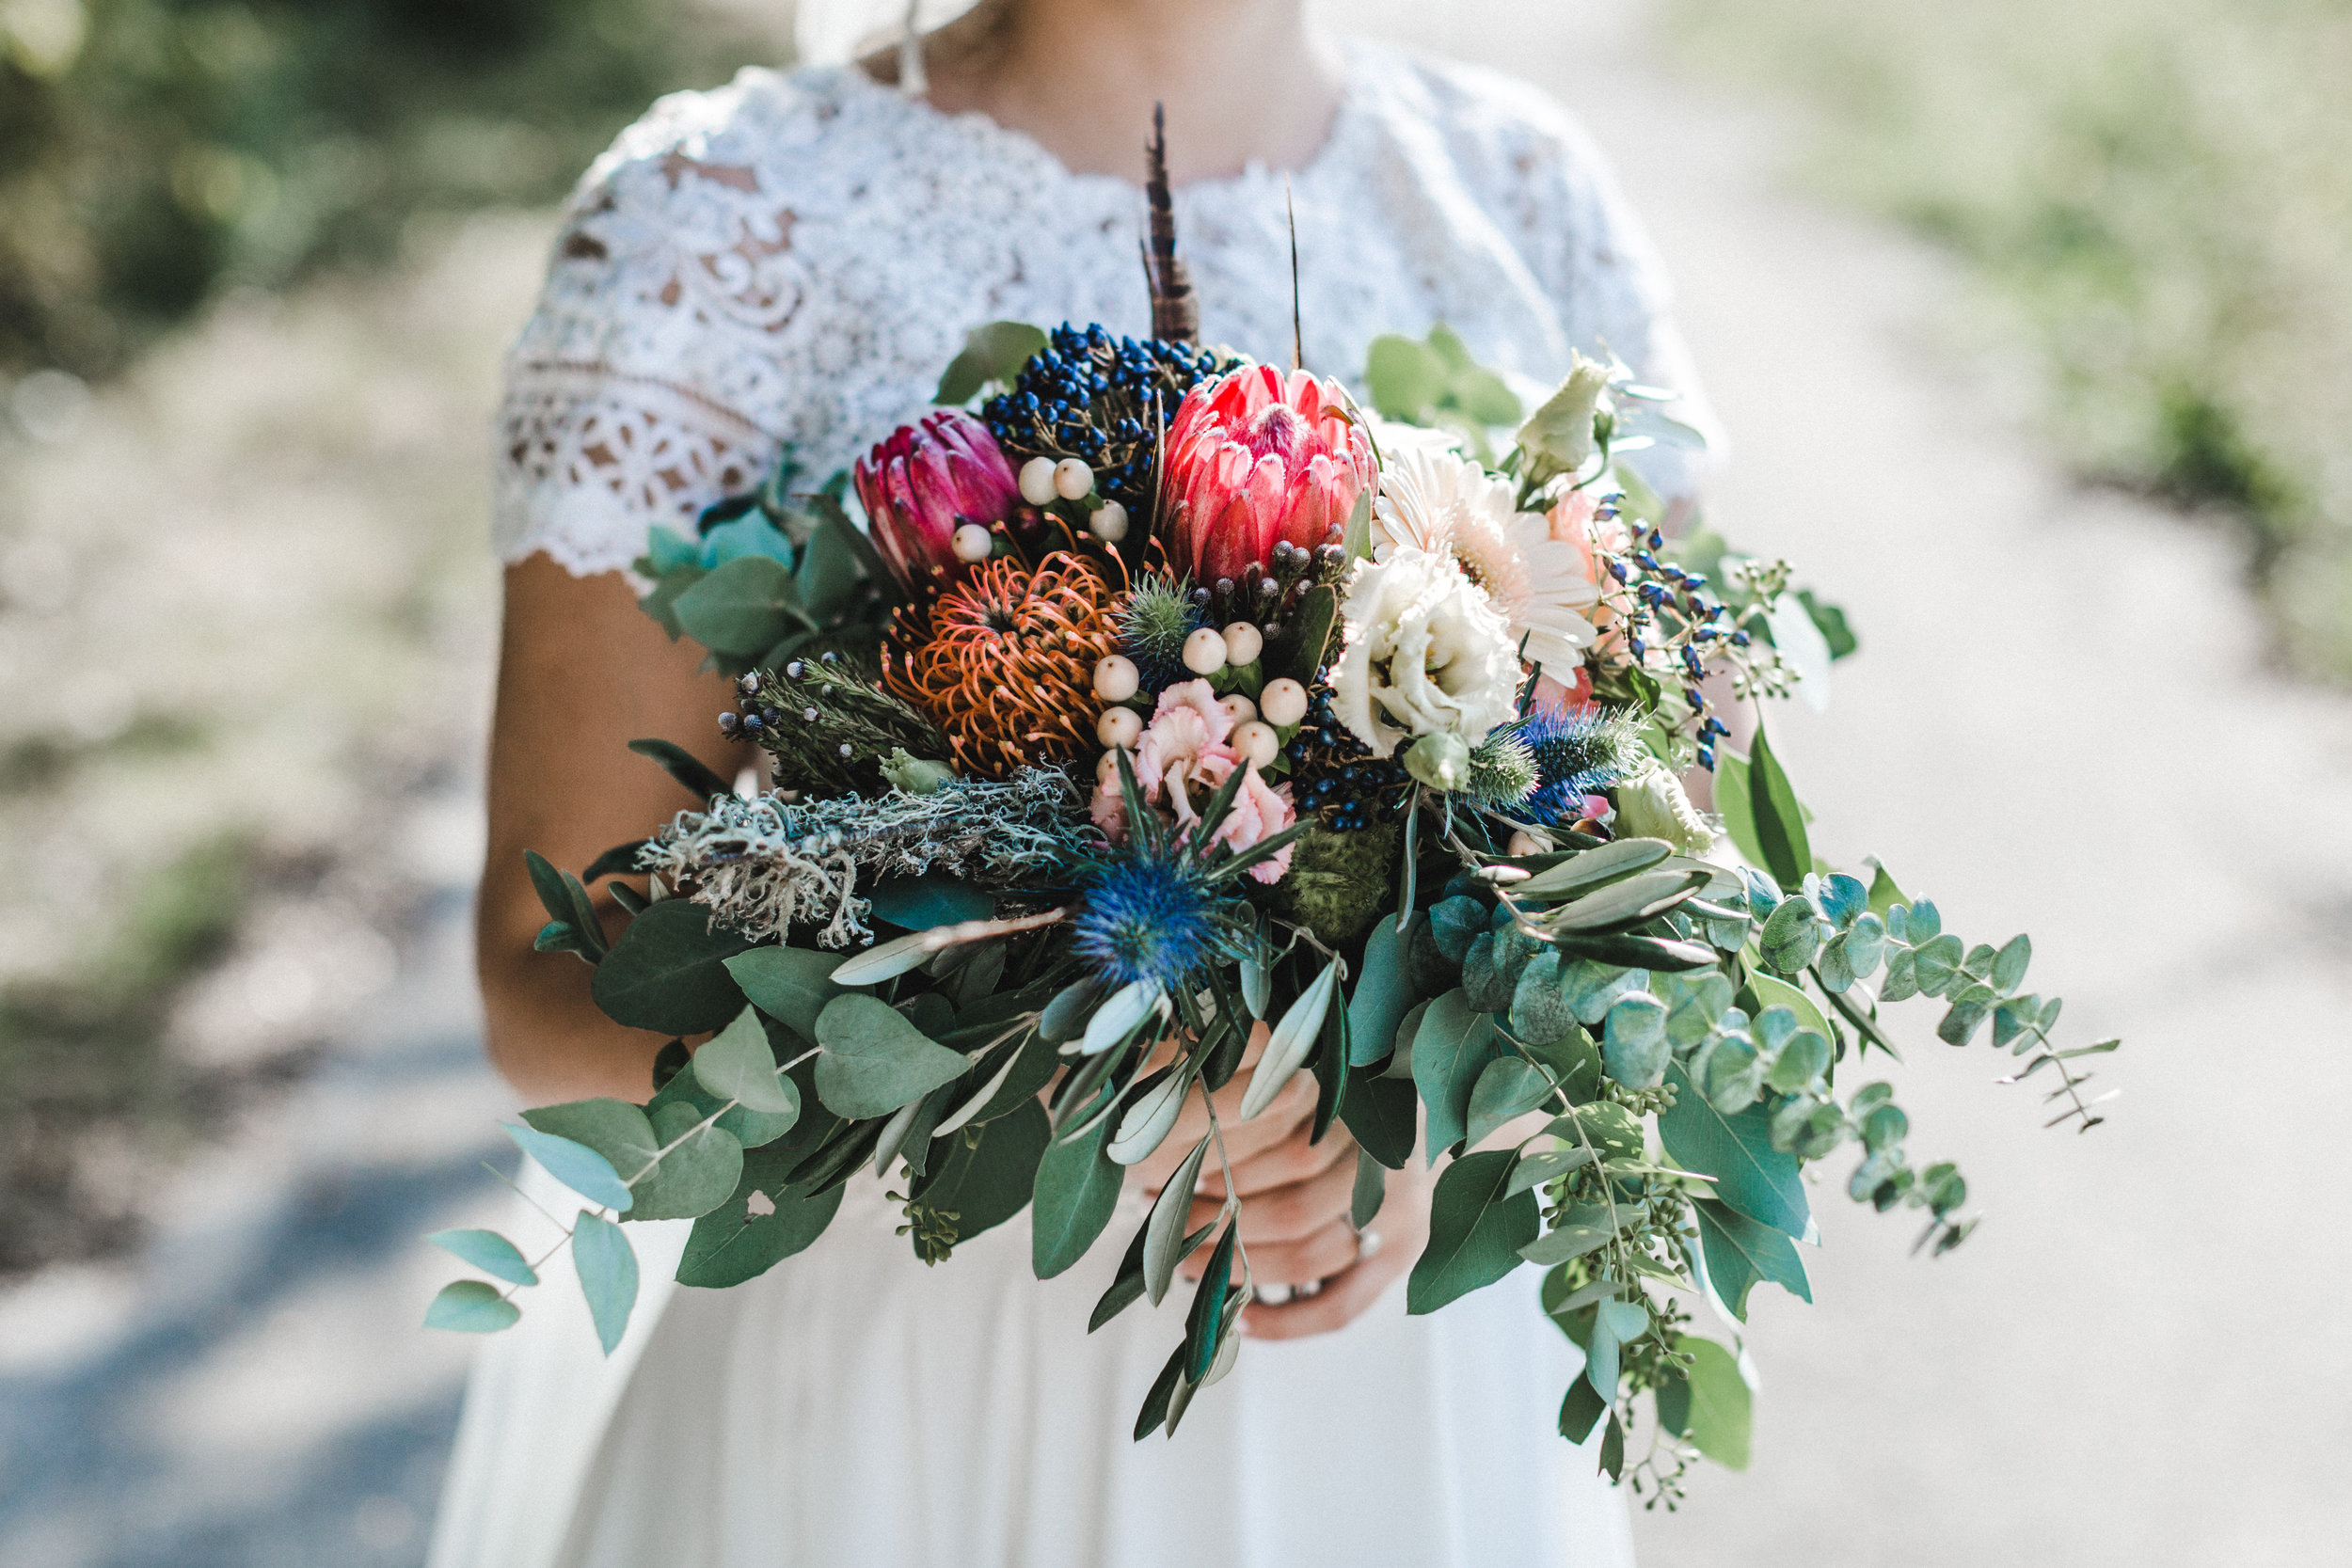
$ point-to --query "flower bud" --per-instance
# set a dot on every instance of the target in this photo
(1441, 760)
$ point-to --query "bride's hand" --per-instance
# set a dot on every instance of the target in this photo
(1296, 1196)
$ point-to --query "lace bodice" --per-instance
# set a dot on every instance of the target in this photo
(794, 259)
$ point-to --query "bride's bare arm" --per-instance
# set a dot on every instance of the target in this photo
(582, 672)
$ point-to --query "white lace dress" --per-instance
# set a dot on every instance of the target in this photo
(791, 260)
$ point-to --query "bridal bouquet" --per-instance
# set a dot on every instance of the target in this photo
(1173, 702)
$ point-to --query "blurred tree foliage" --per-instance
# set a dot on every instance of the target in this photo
(152, 150)
(2159, 194)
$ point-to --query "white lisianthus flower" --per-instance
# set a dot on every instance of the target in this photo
(1651, 804)
(1436, 499)
(1425, 654)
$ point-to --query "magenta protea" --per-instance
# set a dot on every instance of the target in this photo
(925, 482)
(1254, 459)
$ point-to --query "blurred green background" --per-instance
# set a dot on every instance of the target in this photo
(256, 258)
(2156, 198)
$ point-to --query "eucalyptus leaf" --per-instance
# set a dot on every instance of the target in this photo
(692, 1177)
(791, 985)
(874, 1061)
(1752, 1176)
(730, 1244)
(1634, 1048)
(1077, 1189)
(576, 1166)
(470, 1306)
(1740, 1253)
(1779, 820)
(488, 1251)
(1509, 1088)
(1476, 1229)
(740, 608)
(608, 1275)
(668, 972)
(1384, 992)
(1722, 1407)
(738, 1065)
(1451, 1047)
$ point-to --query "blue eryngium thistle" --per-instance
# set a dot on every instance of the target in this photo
(1578, 751)
(1142, 918)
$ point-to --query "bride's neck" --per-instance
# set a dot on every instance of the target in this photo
(1243, 80)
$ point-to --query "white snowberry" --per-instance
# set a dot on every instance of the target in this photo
(1204, 651)
(1037, 480)
(1283, 703)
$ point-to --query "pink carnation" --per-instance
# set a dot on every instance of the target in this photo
(1184, 753)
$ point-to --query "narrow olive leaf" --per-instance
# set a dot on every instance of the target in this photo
(470, 1306)
(1580, 873)
(578, 1167)
(738, 1065)
(682, 765)
(608, 1275)
(1065, 1017)
(1476, 1229)
(1204, 1325)
(619, 861)
(1287, 1048)
(1779, 820)
(1628, 903)
(974, 1102)
(1372, 1190)
(1147, 1120)
(1116, 1020)
(1126, 1287)
(489, 1252)
(1155, 1412)
(1163, 1232)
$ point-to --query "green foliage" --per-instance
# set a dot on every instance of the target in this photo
(991, 361)
(1077, 1188)
(874, 1061)
(1436, 383)
(470, 1306)
(607, 1266)
(1476, 1229)
(156, 149)
(668, 971)
(575, 1165)
(2151, 193)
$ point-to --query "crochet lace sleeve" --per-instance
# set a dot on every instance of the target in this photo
(642, 389)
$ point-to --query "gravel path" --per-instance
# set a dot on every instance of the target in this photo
(2060, 716)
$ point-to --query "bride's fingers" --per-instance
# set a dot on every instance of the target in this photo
(1288, 1212)
(1243, 1139)
(1295, 1159)
(1327, 1252)
(1342, 1300)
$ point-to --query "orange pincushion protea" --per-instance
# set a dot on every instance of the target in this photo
(1006, 663)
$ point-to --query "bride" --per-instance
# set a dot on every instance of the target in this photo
(785, 265)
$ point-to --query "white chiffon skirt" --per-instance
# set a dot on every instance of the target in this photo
(853, 1409)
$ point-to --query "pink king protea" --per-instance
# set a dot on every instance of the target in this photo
(1253, 459)
(922, 483)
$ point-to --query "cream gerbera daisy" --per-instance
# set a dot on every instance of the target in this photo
(1437, 501)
